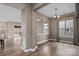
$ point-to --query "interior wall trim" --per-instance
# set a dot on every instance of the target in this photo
(41, 42)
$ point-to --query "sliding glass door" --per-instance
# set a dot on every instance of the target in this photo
(66, 30)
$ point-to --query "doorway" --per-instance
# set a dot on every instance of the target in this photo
(17, 35)
(66, 30)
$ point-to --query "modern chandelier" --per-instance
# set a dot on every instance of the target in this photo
(56, 16)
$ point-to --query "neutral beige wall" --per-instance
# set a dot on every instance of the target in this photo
(53, 26)
(38, 38)
(10, 30)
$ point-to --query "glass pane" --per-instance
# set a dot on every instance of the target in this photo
(66, 32)
(69, 23)
(61, 24)
(69, 30)
(45, 30)
(61, 32)
(61, 28)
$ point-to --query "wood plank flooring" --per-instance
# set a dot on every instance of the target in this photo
(12, 48)
(57, 49)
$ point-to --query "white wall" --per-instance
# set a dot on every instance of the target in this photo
(27, 28)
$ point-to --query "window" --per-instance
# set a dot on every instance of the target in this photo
(45, 27)
(42, 26)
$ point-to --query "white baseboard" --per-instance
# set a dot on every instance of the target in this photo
(30, 49)
(42, 42)
(52, 39)
(24, 49)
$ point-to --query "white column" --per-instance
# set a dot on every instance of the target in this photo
(27, 42)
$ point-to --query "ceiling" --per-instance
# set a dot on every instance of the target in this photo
(63, 8)
(11, 12)
(19, 6)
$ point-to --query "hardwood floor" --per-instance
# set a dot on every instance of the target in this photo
(12, 48)
(57, 49)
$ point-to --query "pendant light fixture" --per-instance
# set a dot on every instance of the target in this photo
(56, 15)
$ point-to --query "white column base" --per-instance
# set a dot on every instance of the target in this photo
(30, 49)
